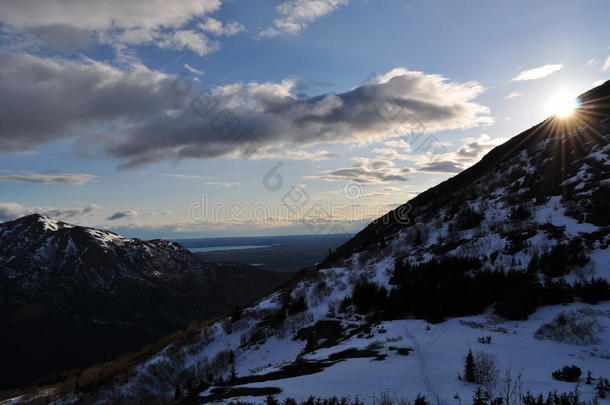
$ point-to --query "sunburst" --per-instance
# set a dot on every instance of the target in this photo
(562, 104)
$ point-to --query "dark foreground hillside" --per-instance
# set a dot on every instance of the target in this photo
(72, 296)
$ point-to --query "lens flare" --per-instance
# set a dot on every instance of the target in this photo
(562, 104)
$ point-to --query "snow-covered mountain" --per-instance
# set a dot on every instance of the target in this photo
(71, 296)
(509, 259)
(37, 250)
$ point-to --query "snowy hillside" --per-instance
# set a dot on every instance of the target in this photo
(509, 259)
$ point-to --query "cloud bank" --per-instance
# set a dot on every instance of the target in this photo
(365, 170)
(67, 25)
(10, 211)
(469, 153)
(76, 179)
(142, 116)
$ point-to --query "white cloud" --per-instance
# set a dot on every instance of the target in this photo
(75, 24)
(198, 177)
(188, 39)
(537, 73)
(72, 179)
(216, 27)
(10, 211)
(317, 155)
(222, 184)
(606, 65)
(591, 62)
(471, 151)
(399, 144)
(104, 15)
(366, 170)
(514, 94)
(392, 189)
(136, 36)
(184, 176)
(296, 15)
(193, 70)
(390, 154)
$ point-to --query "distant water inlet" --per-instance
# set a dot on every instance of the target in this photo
(221, 248)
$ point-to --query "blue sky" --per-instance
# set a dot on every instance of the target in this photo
(338, 110)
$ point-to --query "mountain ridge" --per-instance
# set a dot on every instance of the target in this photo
(593, 103)
(85, 288)
(507, 260)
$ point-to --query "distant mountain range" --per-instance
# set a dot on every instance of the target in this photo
(71, 296)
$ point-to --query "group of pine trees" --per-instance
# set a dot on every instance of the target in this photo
(453, 286)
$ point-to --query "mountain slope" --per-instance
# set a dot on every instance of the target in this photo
(71, 296)
(541, 159)
(498, 251)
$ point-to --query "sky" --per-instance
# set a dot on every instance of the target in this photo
(210, 118)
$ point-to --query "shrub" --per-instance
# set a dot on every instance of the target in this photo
(575, 327)
(468, 219)
(486, 369)
(594, 290)
(520, 213)
(602, 388)
(277, 318)
(368, 296)
(296, 305)
(420, 400)
(558, 261)
(481, 368)
(404, 351)
(567, 373)
(480, 397)
(553, 398)
(271, 400)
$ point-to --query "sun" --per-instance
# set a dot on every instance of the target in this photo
(562, 104)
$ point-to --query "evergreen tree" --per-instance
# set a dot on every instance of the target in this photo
(469, 368)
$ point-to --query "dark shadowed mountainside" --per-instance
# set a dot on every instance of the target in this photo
(71, 296)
